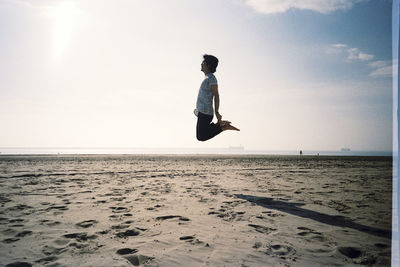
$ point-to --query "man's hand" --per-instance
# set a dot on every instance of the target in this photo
(219, 117)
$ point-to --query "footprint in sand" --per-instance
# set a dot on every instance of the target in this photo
(257, 245)
(114, 217)
(10, 240)
(306, 231)
(16, 225)
(119, 226)
(311, 234)
(138, 259)
(24, 233)
(123, 225)
(19, 264)
(78, 245)
(119, 199)
(58, 207)
(271, 214)
(262, 229)
(225, 214)
(155, 207)
(51, 251)
(86, 224)
(16, 221)
(162, 218)
(20, 207)
(66, 201)
(280, 250)
(49, 222)
(350, 252)
(127, 233)
(191, 239)
(125, 251)
(61, 241)
(46, 260)
(9, 231)
(119, 209)
(188, 237)
(104, 232)
(80, 236)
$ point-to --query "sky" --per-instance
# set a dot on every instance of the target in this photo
(292, 74)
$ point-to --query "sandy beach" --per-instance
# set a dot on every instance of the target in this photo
(121, 210)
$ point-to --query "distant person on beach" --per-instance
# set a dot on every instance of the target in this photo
(204, 111)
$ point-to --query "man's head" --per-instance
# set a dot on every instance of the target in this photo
(210, 62)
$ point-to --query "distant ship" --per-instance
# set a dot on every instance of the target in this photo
(236, 148)
(345, 149)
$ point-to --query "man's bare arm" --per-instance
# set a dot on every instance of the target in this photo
(214, 90)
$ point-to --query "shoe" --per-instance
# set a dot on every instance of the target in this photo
(196, 113)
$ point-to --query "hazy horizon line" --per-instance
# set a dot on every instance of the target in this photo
(186, 148)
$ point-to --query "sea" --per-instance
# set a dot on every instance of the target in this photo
(184, 151)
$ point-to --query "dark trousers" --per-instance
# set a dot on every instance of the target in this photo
(205, 128)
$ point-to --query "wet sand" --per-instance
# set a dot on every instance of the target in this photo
(76, 210)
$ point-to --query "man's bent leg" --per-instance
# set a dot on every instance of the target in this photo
(205, 129)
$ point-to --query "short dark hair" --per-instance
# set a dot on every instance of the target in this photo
(211, 61)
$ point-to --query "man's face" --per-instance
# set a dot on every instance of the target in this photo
(204, 67)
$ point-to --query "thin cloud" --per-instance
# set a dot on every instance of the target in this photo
(352, 53)
(362, 56)
(339, 46)
(356, 54)
(383, 68)
(281, 6)
(336, 48)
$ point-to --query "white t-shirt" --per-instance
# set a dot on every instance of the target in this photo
(204, 99)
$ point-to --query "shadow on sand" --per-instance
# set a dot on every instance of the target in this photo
(294, 209)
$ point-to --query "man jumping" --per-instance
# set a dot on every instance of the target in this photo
(204, 108)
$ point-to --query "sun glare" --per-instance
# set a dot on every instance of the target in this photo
(64, 17)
